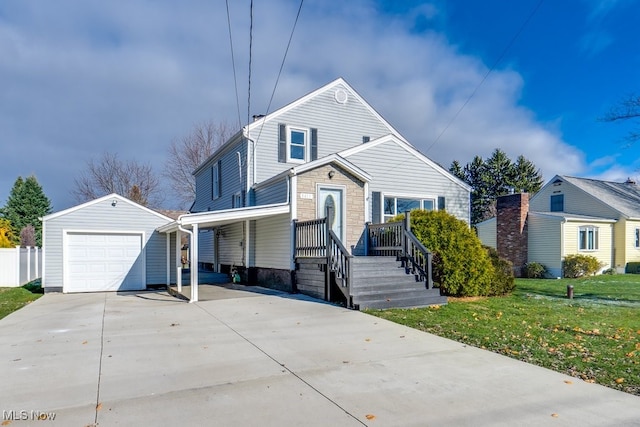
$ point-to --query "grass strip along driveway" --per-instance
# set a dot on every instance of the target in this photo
(12, 299)
(595, 336)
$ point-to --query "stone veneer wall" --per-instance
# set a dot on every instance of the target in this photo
(307, 208)
(511, 228)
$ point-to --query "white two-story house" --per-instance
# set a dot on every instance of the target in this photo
(328, 148)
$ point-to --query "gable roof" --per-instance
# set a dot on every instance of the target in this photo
(334, 158)
(112, 196)
(623, 197)
(337, 82)
(258, 123)
(400, 142)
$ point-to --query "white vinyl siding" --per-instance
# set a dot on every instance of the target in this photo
(545, 242)
(205, 246)
(487, 233)
(340, 126)
(102, 216)
(231, 244)
(396, 171)
(273, 242)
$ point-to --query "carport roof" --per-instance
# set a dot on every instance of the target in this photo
(227, 216)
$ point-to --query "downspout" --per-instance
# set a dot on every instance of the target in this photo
(245, 133)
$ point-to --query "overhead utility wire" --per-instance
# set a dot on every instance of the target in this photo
(250, 57)
(233, 63)
(284, 58)
(495, 64)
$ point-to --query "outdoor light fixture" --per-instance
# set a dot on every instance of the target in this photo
(331, 174)
(114, 202)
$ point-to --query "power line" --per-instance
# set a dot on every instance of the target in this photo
(495, 64)
(284, 58)
(233, 63)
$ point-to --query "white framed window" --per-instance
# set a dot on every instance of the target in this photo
(637, 238)
(394, 205)
(588, 238)
(297, 149)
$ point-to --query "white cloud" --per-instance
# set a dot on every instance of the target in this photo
(85, 77)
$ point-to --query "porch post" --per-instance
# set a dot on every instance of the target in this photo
(168, 258)
(406, 226)
(366, 238)
(178, 260)
(194, 264)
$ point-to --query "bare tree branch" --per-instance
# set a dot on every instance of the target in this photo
(189, 152)
(109, 174)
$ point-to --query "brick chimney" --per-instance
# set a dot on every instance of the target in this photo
(511, 227)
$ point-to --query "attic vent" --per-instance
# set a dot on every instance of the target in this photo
(341, 96)
(630, 181)
(557, 182)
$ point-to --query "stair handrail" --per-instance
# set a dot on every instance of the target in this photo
(416, 254)
(339, 261)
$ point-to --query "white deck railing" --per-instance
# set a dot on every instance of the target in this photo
(19, 266)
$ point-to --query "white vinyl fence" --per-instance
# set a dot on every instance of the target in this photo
(19, 266)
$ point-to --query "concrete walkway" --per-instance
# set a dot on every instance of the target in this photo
(268, 359)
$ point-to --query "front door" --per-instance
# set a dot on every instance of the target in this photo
(334, 198)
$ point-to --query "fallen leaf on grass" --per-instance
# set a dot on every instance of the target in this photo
(619, 380)
(370, 417)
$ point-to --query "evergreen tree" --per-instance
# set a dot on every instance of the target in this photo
(493, 177)
(25, 205)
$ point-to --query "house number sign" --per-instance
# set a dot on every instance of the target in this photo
(306, 196)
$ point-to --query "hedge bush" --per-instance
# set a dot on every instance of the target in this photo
(503, 281)
(461, 266)
(534, 270)
(575, 266)
(633, 268)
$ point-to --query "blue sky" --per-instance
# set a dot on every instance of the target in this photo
(83, 77)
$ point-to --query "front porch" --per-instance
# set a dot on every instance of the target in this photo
(394, 271)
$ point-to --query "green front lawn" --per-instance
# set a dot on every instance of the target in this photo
(12, 299)
(595, 336)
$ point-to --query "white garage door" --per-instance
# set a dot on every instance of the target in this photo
(99, 262)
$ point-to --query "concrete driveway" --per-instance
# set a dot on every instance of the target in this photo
(268, 359)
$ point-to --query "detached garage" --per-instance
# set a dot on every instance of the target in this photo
(108, 244)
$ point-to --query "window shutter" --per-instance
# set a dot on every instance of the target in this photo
(282, 143)
(314, 144)
(219, 178)
(441, 203)
(375, 207)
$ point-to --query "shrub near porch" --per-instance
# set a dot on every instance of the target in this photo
(461, 266)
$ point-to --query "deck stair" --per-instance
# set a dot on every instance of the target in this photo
(380, 282)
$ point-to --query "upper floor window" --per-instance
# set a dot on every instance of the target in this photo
(557, 203)
(216, 180)
(236, 200)
(297, 145)
(588, 238)
(397, 205)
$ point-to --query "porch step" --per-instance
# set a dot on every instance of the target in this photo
(382, 282)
